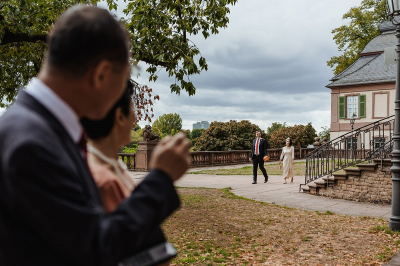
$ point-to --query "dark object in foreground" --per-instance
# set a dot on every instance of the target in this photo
(152, 256)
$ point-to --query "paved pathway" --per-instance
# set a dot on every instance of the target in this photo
(274, 191)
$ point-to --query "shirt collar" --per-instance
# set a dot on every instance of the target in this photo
(60, 109)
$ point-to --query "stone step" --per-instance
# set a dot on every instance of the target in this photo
(353, 171)
(312, 185)
(313, 188)
(306, 189)
(320, 183)
(330, 178)
(340, 176)
(367, 166)
(385, 162)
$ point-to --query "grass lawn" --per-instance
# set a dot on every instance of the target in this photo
(215, 227)
(272, 169)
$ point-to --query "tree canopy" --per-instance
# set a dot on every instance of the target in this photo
(187, 133)
(352, 38)
(196, 133)
(136, 136)
(275, 127)
(168, 124)
(160, 35)
(301, 135)
(325, 133)
(160, 32)
(225, 136)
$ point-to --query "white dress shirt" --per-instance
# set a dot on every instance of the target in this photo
(55, 105)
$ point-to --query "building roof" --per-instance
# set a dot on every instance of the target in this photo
(359, 63)
(370, 67)
(372, 71)
(379, 43)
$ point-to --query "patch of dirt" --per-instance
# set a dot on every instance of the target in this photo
(215, 227)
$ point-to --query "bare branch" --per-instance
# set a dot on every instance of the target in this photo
(21, 37)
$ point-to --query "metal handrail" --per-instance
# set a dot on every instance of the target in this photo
(350, 133)
(383, 152)
(337, 154)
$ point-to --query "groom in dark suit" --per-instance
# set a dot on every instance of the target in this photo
(258, 151)
(51, 212)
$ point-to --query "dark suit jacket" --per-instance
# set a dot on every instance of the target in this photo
(50, 209)
(263, 148)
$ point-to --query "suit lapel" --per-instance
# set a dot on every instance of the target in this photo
(66, 141)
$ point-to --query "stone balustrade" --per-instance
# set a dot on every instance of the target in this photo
(211, 158)
(129, 159)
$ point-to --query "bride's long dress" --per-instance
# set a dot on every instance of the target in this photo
(288, 158)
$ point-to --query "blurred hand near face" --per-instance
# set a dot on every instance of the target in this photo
(172, 156)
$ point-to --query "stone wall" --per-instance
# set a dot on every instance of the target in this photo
(372, 186)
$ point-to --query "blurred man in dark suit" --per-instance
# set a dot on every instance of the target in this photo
(50, 209)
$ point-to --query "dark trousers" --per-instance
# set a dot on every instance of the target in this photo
(258, 162)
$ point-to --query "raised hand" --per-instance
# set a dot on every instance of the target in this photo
(172, 156)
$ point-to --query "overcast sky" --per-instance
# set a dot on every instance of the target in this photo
(268, 66)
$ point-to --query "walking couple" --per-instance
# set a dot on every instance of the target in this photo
(259, 150)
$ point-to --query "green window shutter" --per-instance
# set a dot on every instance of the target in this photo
(362, 106)
(342, 106)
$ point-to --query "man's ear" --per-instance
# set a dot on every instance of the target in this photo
(100, 74)
(119, 117)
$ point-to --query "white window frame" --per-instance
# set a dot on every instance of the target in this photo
(352, 106)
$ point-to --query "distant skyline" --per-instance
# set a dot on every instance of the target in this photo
(201, 125)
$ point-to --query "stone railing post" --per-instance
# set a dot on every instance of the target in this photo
(131, 165)
(145, 149)
(211, 158)
(143, 154)
(316, 144)
(128, 161)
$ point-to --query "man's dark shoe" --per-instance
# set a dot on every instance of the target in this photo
(254, 182)
(266, 180)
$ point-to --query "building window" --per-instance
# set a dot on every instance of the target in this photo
(349, 105)
(352, 106)
(349, 142)
(379, 142)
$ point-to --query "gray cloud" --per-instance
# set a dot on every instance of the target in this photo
(268, 66)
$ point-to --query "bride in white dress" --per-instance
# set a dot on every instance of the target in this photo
(288, 160)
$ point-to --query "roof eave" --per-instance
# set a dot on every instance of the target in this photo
(360, 83)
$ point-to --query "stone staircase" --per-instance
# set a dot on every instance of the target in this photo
(370, 182)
